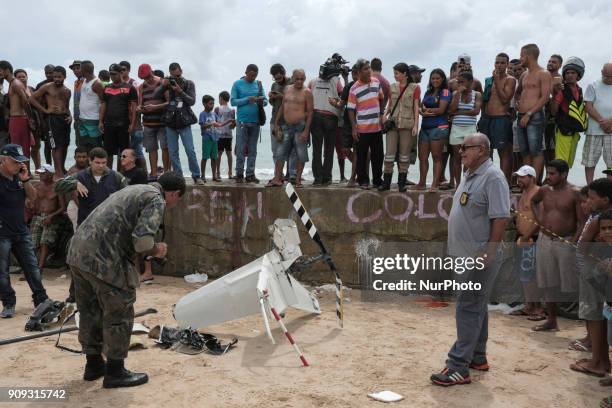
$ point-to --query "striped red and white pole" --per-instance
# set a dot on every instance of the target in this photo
(314, 234)
(287, 334)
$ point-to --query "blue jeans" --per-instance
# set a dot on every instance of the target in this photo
(292, 158)
(173, 148)
(291, 144)
(246, 138)
(531, 137)
(136, 143)
(23, 249)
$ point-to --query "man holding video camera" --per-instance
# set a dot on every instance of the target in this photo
(326, 89)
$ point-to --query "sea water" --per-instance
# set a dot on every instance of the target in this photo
(264, 168)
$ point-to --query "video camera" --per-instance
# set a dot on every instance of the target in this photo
(334, 66)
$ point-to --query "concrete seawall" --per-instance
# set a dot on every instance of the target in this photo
(219, 227)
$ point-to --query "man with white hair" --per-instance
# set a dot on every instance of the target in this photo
(598, 99)
(476, 225)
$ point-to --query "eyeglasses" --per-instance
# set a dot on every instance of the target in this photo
(465, 147)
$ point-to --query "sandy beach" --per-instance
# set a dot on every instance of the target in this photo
(383, 346)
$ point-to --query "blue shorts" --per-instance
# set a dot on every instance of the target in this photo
(530, 138)
(291, 134)
(498, 129)
(524, 262)
(433, 134)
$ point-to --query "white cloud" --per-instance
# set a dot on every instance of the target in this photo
(215, 40)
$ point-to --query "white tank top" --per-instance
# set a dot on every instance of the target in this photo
(89, 106)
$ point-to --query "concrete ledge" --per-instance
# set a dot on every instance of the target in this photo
(219, 227)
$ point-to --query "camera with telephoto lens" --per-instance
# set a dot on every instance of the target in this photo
(334, 66)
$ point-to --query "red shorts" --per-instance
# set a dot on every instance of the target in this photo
(19, 133)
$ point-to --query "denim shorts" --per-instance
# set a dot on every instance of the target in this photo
(291, 134)
(530, 139)
(430, 135)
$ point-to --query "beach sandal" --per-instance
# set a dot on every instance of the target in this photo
(520, 312)
(544, 328)
(298, 184)
(579, 368)
(416, 187)
(577, 345)
(446, 186)
(273, 183)
(536, 317)
(606, 402)
(351, 184)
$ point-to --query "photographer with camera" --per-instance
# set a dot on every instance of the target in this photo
(178, 118)
(326, 91)
(102, 258)
(15, 186)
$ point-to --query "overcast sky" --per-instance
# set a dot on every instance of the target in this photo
(215, 40)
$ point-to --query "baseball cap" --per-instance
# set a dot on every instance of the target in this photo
(114, 68)
(464, 58)
(526, 171)
(608, 170)
(75, 62)
(415, 68)
(144, 70)
(45, 168)
(14, 151)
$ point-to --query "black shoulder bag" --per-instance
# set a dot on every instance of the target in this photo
(261, 113)
(390, 123)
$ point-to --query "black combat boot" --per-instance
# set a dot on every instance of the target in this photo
(401, 182)
(386, 184)
(94, 368)
(117, 376)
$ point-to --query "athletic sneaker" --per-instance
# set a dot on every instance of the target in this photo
(251, 179)
(449, 377)
(480, 363)
(8, 312)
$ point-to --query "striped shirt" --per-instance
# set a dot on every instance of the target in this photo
(465, 120)
(366, 100)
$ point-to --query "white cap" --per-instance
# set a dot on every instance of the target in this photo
(526, 171)
(465, 58)
(45, 168)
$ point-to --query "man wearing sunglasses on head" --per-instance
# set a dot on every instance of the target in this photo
(476, 225)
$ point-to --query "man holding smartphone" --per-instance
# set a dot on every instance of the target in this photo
(14, 235)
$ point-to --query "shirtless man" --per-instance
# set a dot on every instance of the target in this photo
(20, 110)
(296, 113)
(561, 213)
(554, 64)
(81, 160)
(496, 122)
(57, 98)
(48, 205)
(533, 94)
(525, 251)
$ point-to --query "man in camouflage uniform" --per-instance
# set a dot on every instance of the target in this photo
(102, 259)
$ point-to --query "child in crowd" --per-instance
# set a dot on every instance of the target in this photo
(208, 123)
(227, 115)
